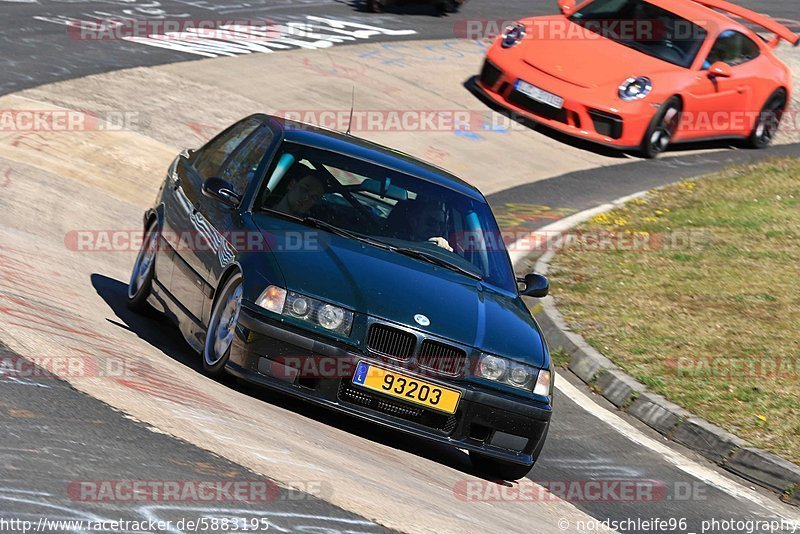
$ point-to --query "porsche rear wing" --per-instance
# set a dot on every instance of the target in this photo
(781, 31)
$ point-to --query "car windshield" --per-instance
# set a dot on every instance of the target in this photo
(644, 27)
(389, 209)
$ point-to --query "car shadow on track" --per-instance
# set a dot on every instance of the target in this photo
(165, 337)
(150, 328)
(581, 144)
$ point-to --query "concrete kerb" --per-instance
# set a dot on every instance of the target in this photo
(629, 395)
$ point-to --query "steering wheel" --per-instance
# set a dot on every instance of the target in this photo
(669, 44)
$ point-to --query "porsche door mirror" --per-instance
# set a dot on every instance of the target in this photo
(566, 6)
(720, 69)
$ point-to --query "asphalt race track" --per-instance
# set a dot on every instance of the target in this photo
(38, 49)
(58, 434)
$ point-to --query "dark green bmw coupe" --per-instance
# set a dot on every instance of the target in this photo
(355, 277)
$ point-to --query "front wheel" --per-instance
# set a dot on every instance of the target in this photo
(376, 6)
(662, 128)
(222, 326)
(141, 282)
(449, 6)
(768, 120)
(498, 469)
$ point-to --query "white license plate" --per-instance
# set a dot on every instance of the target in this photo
(540, 95)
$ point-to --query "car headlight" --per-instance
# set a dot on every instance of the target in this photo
(635, 88)
(492, 367)
(328, 316)
(518, 375)
(512, 34)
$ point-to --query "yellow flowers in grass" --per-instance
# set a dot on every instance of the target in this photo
(603, 219)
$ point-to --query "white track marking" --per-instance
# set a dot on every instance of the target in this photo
(617, 423)
(682, 462)
(233, 40)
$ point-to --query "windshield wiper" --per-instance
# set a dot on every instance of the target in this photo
(436, 260)
(412, 252)
(322, 225)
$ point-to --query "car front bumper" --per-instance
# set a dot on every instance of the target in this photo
(487, 422)
(584, 115)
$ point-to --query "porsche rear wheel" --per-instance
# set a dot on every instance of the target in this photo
(768, 120)
(662, 128)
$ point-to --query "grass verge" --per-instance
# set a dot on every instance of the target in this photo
(695, 291)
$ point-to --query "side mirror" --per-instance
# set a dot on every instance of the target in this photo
(566, 6)
(221, 191)
(536, 285)
(720, 69)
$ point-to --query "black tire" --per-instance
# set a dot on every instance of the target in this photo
(498, 469)
(662, 128)
(141, 282)
(449, 6)
(768, 121)
(216, 357)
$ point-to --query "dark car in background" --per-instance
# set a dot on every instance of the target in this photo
(442, 6)
(355, 277)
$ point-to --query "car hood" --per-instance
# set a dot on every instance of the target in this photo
(395, 288)
(584, 58)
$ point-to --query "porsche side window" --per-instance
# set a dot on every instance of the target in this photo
(750, 49)
(213, 156)
(733, 48)
(241, 167)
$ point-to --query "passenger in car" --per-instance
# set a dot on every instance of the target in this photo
(302, 192)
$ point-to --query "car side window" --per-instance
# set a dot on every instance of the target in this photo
(214, 155)
(733, 48)
(241, 166)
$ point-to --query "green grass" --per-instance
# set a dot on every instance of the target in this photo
(703, 311)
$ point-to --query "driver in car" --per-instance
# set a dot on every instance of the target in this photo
(429, 223)
(302, 193)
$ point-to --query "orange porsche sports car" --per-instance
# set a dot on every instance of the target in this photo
(639, 75)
